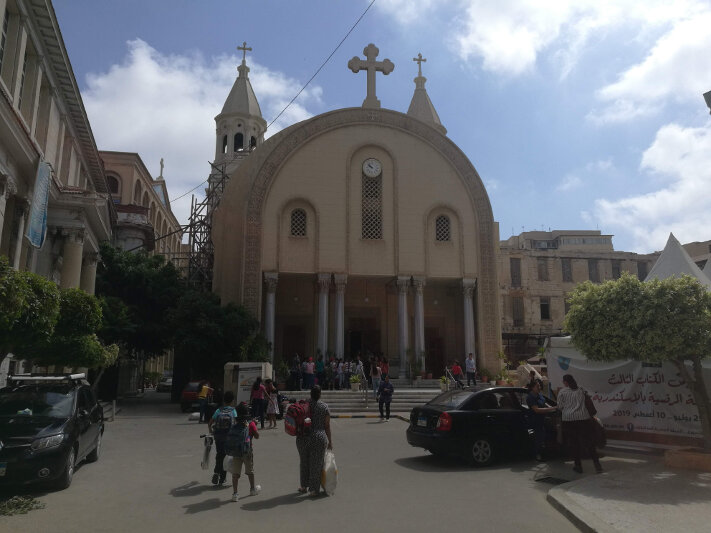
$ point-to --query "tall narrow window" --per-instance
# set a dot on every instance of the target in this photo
(3, 35)
(641, 270)
(239, 142)
(545, 303)
(252, 142)
(224, 144)
(517, 311)
(593, 271)
(22, 80)
(298, 223)
(442, 232)
(371, 203)
(515, 264)
(542, 269)
(567, 268)
(616, 268)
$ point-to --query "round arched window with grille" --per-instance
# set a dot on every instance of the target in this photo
(298, 223)
(442, 228)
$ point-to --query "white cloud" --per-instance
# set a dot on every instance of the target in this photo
(680, 157)
(164, 106)
(569, 183)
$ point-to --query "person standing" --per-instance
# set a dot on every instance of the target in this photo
(385, 396)
(272, 399)
(384, 368)
(375, 373)
(320, 368)
(257, 396)
(219, 425)
(577, 423)
(247, 459)
(204, 394)
(309, 369)
(470, 364)
(457, 374)
(537, 403)
(312, 446)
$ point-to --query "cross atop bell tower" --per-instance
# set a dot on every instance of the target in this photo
(244, 49)
(372, 66)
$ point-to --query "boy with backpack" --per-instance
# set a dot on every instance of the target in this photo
(238, 445)
(219, 425)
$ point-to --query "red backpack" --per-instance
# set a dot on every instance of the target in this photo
(295, 418)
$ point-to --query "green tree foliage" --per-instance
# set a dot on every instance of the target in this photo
(208, 335)
(29, 309)
(656, 321)
(137, 290)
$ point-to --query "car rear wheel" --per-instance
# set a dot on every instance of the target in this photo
(96, 452)
(482, 451)
(66, 478)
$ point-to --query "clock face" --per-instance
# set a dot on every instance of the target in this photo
(372, 168)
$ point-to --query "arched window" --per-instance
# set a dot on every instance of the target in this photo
(371, 203)
(252, 142)
(224, 144)
(298, 223)
(239, 142)
(113, 184)
(145, 199)
(137, 193)
(442, 228)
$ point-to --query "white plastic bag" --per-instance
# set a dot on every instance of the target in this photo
(329, 474)
(205, 463)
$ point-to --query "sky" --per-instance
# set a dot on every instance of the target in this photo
(577, 114)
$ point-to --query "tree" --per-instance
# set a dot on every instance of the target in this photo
(654, 321)
(29, 309)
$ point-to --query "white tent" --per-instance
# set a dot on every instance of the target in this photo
(674, 261)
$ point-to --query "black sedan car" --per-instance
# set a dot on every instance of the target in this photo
(48, 424)
(478, 425)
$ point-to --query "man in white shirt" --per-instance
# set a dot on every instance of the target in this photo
(471, 370)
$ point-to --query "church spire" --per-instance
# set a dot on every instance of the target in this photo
(421, 106)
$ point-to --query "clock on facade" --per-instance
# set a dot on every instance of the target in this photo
(372, 167)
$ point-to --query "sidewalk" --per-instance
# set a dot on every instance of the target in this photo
(635, 493)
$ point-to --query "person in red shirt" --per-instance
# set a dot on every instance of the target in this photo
(457, 374)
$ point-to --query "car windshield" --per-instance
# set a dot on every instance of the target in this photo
(54, 401)
(452, 399)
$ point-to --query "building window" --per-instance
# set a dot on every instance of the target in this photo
(22, 80)
(593, 271)
(239, 142)
(545, 308)
(517, 311)
(298, 223)
(252, 142)
(442, 233)
(372, 224)
(542, 269)
(224, 144)
(642, 270)
(3, 35)
(616, 268)
(567, 268)
(113, 184)
(515, 264)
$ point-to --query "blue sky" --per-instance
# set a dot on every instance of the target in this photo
(577, 114)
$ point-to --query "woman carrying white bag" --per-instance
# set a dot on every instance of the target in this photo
(329, 474)
(313, 446)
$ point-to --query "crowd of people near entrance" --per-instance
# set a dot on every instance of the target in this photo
(335, 373)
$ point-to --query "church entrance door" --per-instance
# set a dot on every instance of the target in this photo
(363, 336)
(294, 341)
(434, 348)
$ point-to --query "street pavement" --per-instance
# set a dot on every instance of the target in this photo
(149, 479)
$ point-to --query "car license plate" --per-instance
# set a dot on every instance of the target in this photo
(3, 468)
(422, 421)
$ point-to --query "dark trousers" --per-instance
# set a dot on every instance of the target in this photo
(581, 438)
(219, 455)
(203, 409)
(471, 378)
(381, 403)
(258, 410)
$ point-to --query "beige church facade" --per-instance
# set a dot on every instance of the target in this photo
(362, 231)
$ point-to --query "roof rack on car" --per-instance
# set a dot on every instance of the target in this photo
(47, 377)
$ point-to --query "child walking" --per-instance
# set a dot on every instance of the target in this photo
(272, 404)
(239, 447)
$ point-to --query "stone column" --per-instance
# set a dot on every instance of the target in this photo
(403, 284)
(88, 273)
(22, 208)
(468, 286)
(340, 280)
(270, 279)
(324, 284)
(419, 284)
(71, 258)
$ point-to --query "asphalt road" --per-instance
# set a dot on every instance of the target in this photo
(149, 479)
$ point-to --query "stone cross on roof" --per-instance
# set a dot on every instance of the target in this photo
(419, 60)
(244, 50)
(371, 66)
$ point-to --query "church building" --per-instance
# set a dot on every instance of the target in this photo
(360, 231)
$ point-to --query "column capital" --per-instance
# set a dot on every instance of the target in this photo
(419, 283)
(75, 235)
(468, 286)
(8, 186)
(403, 283)
(271, 278)
(340, 281)
(91, 258)
(324, 281)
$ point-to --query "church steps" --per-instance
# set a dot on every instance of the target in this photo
(353, 402)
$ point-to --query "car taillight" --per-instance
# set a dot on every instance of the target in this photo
(444, 422)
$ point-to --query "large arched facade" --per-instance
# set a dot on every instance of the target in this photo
(369, 271)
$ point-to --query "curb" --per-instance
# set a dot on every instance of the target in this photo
(399, 417)
(578, 516)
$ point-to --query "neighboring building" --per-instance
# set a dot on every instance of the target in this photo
(361, 230)
(55, 205)
(700, 253)
(537, 269)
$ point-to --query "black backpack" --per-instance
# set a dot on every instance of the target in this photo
(238, 443)
(224, 420)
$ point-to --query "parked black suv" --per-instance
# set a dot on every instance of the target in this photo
(48, 424)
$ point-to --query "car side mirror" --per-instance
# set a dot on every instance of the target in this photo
(83, 413)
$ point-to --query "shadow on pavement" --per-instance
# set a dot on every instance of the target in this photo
(207, 505)
(434, 463)
(194, 488)
(285, 499)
